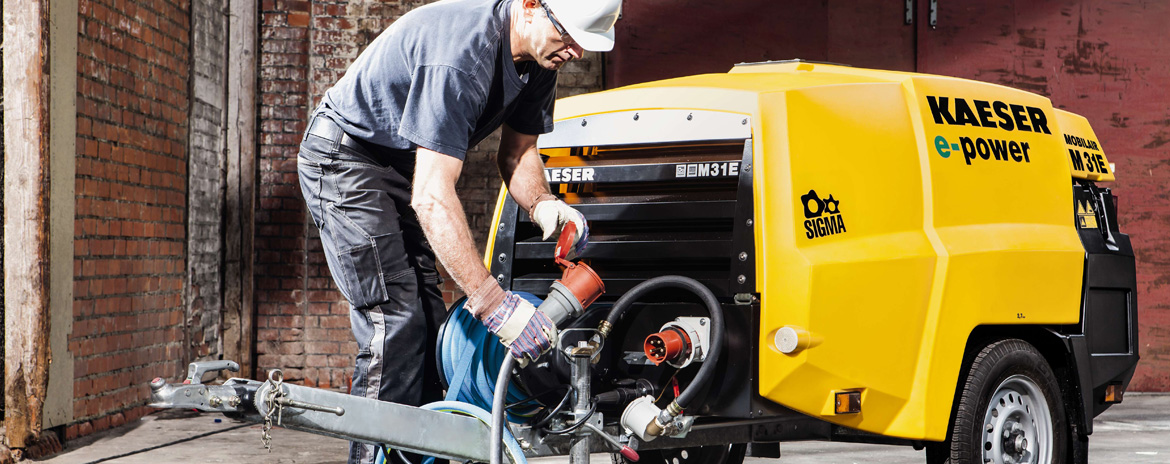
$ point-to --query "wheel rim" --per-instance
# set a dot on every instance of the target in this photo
(1017, 427)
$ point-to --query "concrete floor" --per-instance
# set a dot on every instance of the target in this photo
(1136, 431)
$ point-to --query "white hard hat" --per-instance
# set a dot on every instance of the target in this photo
(589, 22)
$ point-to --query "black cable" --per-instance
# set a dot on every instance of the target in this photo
(532, 397)
(576, 425)
(554, 411)
(713, 307)
(164, 445)
(529, 399)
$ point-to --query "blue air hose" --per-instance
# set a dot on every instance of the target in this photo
(510, 442)
(470, 359)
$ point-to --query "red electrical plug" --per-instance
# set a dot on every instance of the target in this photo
(667, 345)
(579, 278)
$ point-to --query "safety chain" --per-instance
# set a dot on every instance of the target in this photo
(276, 377)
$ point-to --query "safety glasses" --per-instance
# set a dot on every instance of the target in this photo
(565, 37)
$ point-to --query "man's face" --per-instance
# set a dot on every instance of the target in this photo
(551, 47)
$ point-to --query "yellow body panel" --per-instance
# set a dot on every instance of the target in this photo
(1086, 158)
(487, 254)
(891, 223)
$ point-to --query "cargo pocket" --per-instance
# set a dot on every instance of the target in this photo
(362, 263)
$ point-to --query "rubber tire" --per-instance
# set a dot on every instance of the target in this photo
(714, 454)
(990, 367)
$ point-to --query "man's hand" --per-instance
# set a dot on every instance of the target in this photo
(552, 215)
(524, 329)
(523, 173)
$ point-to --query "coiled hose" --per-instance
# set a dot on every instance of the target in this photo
(470, 358)
(513, 446)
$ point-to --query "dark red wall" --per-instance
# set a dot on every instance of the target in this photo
(1105, 60)
(1109, 62)
(659, 39)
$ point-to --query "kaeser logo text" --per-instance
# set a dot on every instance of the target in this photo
(987, 114)
(569, 175)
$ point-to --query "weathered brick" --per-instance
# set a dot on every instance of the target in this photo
(293, 77)
(120, 304)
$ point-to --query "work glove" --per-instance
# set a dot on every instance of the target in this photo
(551, 214)
(523, 328)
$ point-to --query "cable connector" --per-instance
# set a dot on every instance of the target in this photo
(604, 328)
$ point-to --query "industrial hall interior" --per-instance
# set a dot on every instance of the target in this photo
(657, 231)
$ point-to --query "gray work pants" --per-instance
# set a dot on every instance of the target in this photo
(359, 197)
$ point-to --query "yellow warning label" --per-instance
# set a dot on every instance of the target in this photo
(1086, 215)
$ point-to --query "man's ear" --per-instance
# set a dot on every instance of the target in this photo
(530, 7)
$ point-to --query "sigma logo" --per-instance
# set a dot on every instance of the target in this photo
(822, 215)
(569, 174)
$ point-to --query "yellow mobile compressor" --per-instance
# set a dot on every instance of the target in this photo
(787, 251)
(900, 258)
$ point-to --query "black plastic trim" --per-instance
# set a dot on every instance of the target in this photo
(643, 172)
(1104, 344)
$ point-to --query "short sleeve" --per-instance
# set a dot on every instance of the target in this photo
(534, 106)
(441, 110)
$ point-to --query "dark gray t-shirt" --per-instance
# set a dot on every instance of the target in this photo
(442, 77)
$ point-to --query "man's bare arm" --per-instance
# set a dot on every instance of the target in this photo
(521, 167)
(443, 220)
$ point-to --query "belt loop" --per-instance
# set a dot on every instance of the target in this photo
(308, 128)
(338, 134)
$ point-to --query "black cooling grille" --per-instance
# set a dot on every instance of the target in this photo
(681, 210)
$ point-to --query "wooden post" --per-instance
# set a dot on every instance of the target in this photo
(238, 328)
(26, 220)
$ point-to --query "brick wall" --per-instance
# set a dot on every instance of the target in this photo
(131, 194)
(280, 219)
(302, 321)
(205, 227)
